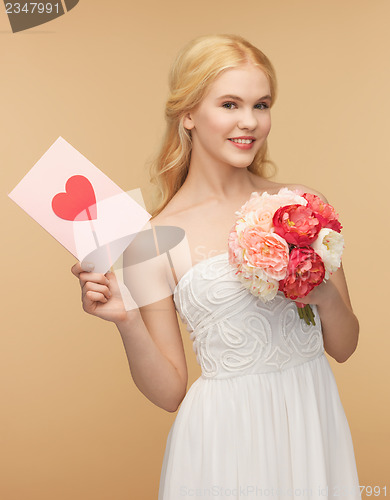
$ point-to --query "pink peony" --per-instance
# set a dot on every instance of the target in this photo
(255, 279)
(261, 218)
(305, 271)
(267, 251)
(324, 212)
(297, 224)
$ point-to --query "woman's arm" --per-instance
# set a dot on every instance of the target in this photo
(150, 334)
(152, 341)
(340, 326)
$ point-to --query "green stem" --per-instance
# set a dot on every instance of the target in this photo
(306, 313)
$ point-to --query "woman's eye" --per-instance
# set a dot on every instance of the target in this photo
(262, 105)
(228, 105)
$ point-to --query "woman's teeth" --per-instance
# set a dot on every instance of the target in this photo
(242, 141)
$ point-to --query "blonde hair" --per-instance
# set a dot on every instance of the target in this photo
(197, 65)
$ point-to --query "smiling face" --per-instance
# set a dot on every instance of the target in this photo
(233, 120)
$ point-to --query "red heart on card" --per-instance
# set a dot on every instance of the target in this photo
(79, 200)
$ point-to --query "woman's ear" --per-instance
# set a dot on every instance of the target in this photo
(188, 122)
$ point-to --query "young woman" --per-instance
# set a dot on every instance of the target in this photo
(265, 417)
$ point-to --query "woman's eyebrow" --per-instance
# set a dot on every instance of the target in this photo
(237, 98)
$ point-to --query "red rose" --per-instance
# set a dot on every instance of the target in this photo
(324, 212)
(297, 224)
(305, 270)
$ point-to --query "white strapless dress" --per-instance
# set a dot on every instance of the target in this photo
(264, 419)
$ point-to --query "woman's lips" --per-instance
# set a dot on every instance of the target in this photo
(242, 145)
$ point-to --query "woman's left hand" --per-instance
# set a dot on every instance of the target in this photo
(320, 294)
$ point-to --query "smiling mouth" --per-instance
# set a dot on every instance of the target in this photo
(242, 141)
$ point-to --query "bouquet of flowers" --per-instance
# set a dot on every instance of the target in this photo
(289, 241)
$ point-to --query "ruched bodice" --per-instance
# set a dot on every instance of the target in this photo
(235, 333)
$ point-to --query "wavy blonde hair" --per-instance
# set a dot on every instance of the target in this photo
(196, 67)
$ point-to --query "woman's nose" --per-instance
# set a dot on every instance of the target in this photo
(247, 120)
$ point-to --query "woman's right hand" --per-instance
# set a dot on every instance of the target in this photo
(101, 295)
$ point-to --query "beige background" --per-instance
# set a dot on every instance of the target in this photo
(73, 425)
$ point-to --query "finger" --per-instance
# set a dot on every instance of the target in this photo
(110, 275)
(87, 266)
(80, 267)
(112, 281)
(76, 269)
(85, 277)
(91, 298)
(116, 287)
(95, 287)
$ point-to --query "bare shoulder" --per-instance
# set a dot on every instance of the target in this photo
(170, 213)
(161, 219)
(273, 187)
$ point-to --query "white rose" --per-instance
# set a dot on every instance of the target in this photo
(258, 283)
(329, 245)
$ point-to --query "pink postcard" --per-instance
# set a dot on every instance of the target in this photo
(80, 206)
